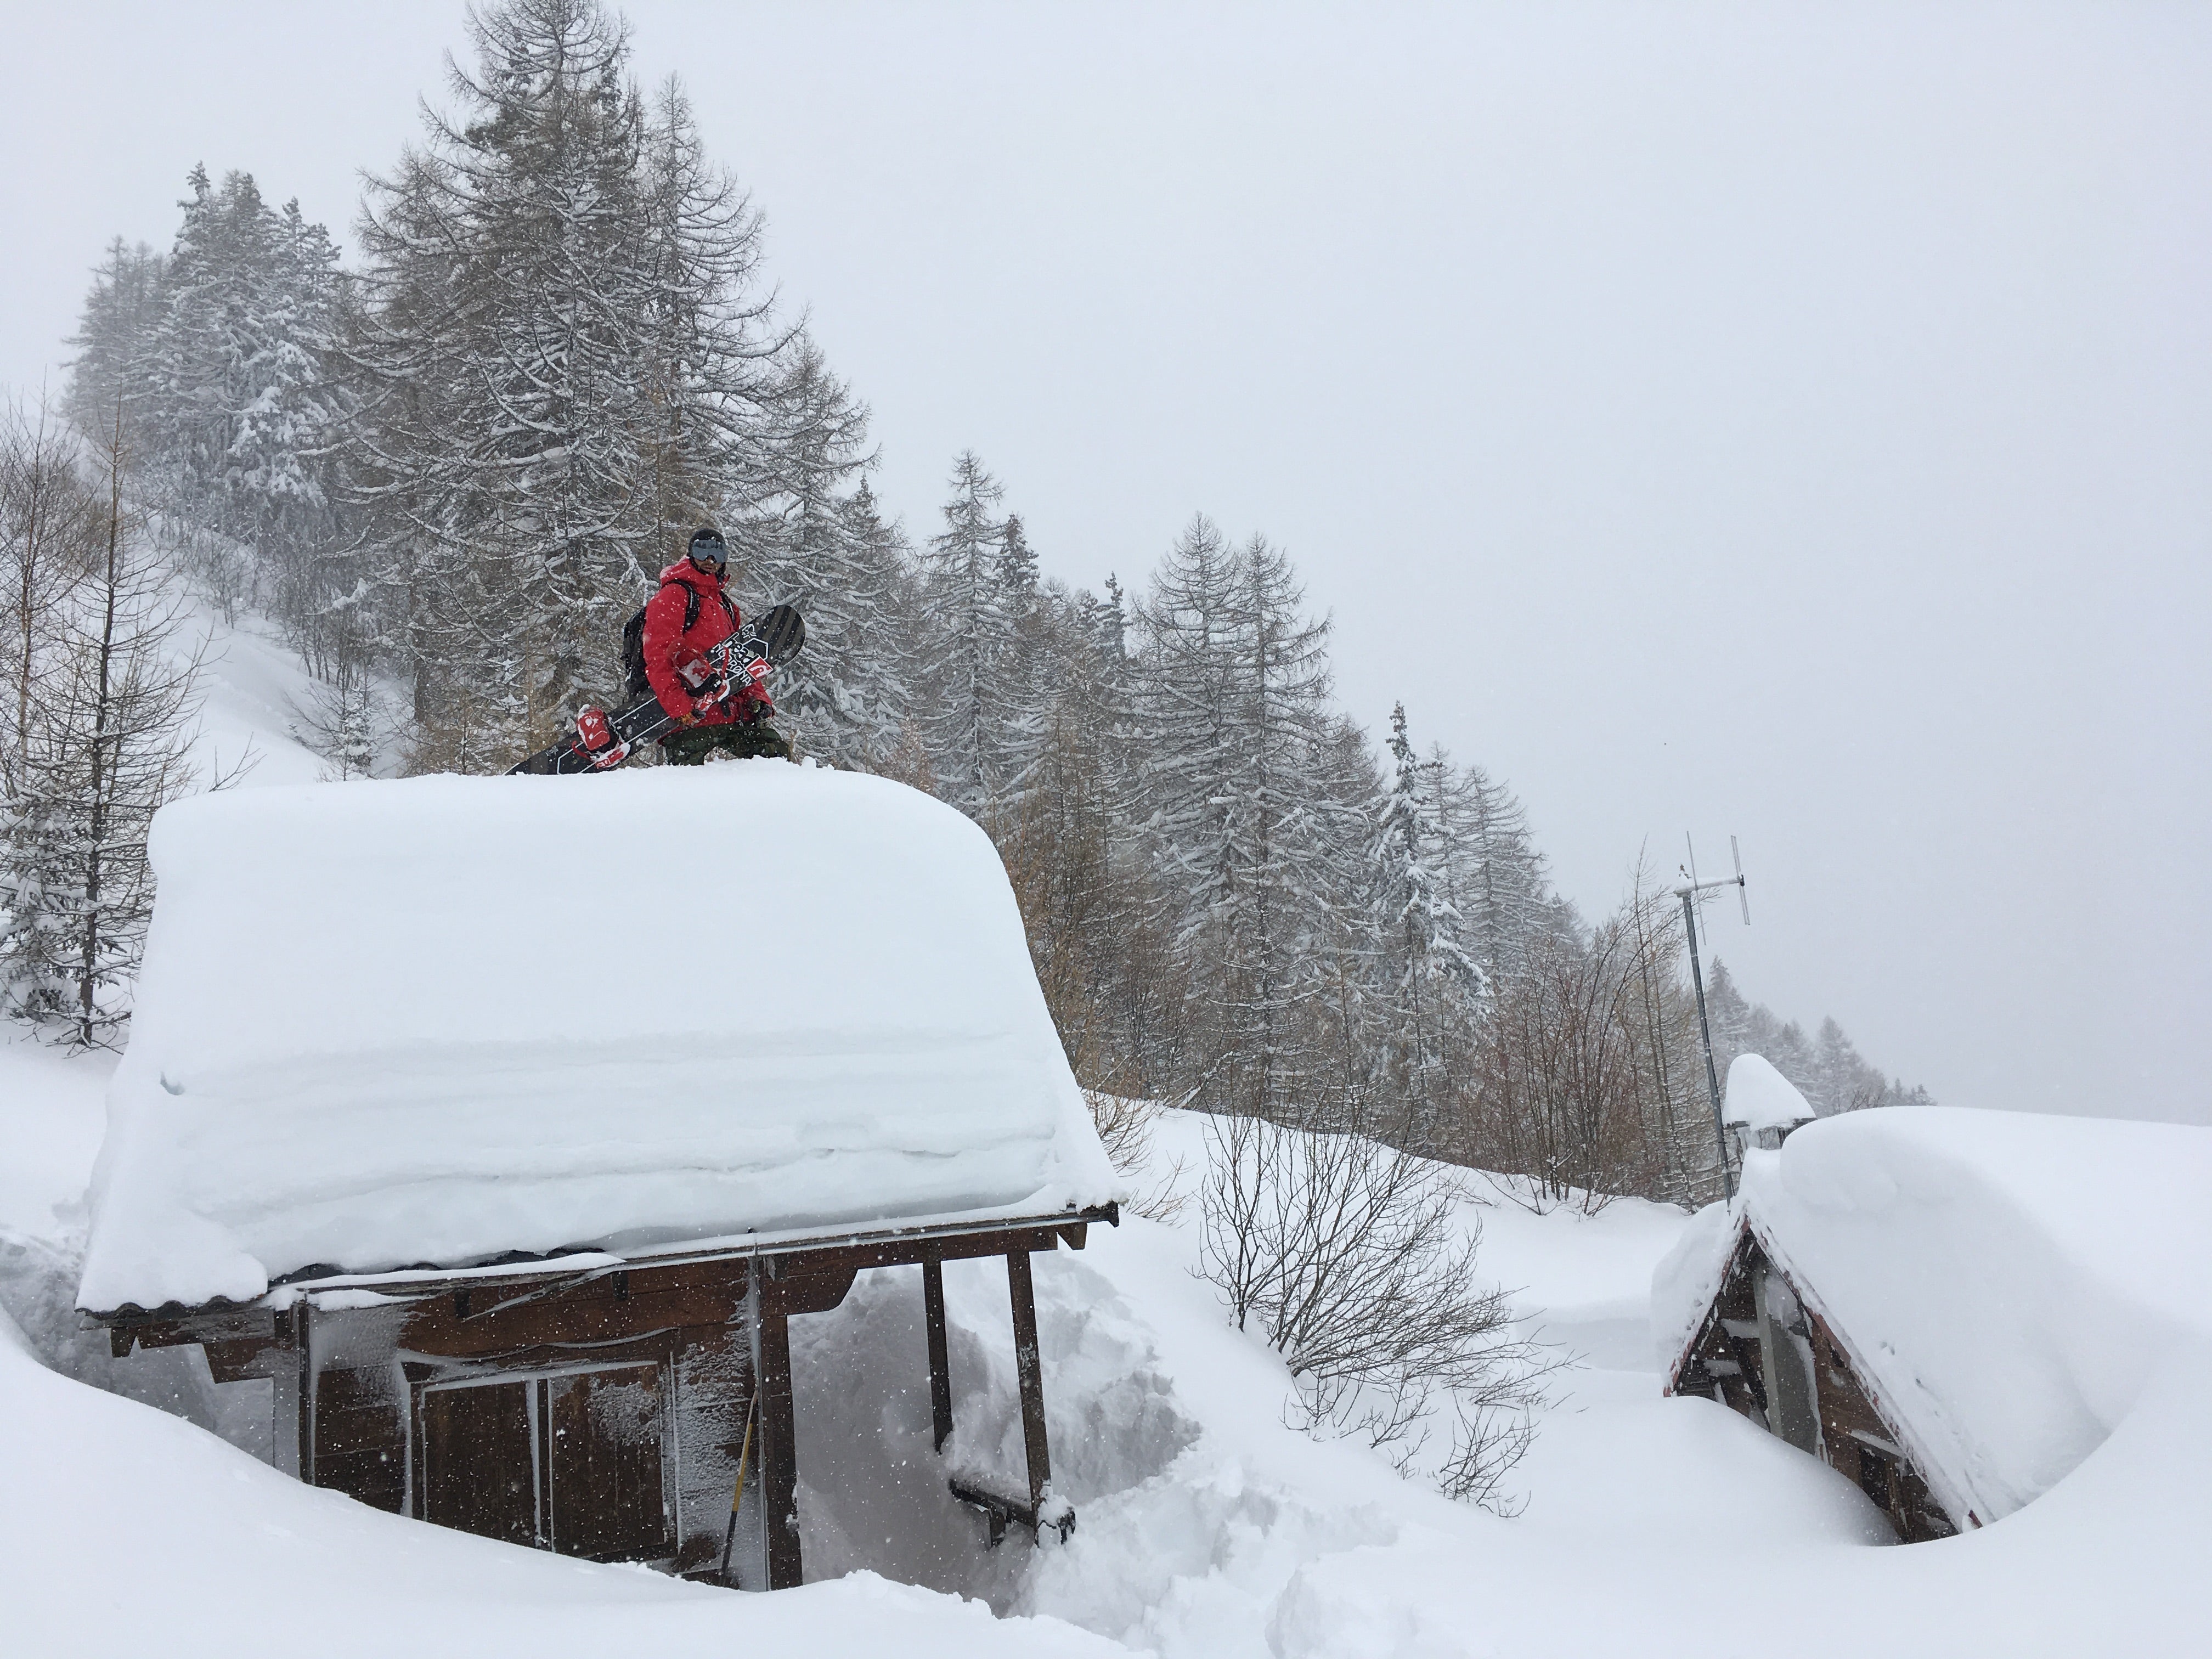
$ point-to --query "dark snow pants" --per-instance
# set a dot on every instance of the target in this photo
(743, 740)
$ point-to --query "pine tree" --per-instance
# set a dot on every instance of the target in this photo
(1493, 875)
(1076, 848)
(221, 359)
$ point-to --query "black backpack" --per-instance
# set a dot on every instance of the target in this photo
(640, 686)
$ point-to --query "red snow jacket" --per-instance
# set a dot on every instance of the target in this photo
(670, 645)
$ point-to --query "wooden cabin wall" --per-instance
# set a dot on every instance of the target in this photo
(601, 1413)
(1858, 1444)
(355, 1406)
(629, 1410)
(1729, 1362)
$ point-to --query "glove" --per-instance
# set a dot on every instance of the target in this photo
(705, 704)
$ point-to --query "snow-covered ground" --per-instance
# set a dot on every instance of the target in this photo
(1206, 1528)
(1652, 1527)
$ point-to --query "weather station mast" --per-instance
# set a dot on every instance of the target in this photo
(1688, 892)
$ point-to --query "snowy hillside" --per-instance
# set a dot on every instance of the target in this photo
(255, 698)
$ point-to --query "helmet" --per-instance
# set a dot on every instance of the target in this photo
(708, 551)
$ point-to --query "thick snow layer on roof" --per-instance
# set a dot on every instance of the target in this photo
(2009, 1284)
(440, 1019)
(1761, 1097)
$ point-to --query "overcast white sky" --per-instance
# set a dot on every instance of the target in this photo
(1789, 422)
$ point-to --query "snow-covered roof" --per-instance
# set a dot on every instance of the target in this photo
(1761, 1097)
(2008, 1284)
(443, 1019)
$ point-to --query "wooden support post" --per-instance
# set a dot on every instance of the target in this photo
(1031, 1368)
(778, 1453)
(940, 1364)
(304, 1394)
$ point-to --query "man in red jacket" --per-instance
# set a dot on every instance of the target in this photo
(688, 618)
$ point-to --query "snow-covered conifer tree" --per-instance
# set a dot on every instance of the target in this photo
(565, 362)
(1238, 738)
(1493, 874)
(241, 408)
(1434, 986)
(827, 552)
(969, 645)
(114, 337)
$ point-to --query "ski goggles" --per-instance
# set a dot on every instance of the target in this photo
(710, 549)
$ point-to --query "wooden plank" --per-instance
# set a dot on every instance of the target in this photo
(478, 1463)
(606, 1430)
(1028, 1366)
(808, 1284)
(303, 1398)
(778, 1454)
(940, 1362)
(583, 1315)
(360, 1436)
(714, 1274)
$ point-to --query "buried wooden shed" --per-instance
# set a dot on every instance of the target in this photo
(517, 1256)
(1764, 1350)
(1952, 1309)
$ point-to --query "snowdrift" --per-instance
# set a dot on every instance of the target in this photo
(437, 1020)
(2011, 1283)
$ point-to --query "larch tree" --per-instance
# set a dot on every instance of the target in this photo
(566, 357)
(969, 652)
(104, 747)
(1432, 986)
(112, 367)
(817, 542)
(1239, 728)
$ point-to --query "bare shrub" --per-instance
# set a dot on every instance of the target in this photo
(1346, 1256)
(1586, 1083)
(1125, 1129)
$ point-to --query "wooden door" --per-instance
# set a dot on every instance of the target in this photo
(606, 1430)
(479, 1459)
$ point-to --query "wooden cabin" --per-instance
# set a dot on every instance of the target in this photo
(505, 1265)
(1764, 1350)
(1952, 1309)
(617, 1409)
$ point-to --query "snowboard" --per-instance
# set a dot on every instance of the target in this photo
(600, 741)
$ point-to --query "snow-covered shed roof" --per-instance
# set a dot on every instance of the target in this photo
(1761, 1097)
(443, 1019)
(2008, 1284)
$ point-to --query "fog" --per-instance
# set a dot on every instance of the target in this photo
(1793, 423)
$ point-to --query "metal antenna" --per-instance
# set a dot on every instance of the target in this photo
(1689, 892)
